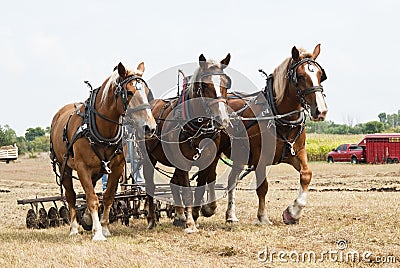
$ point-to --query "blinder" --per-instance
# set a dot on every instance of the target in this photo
(292, 70)
(124, 93)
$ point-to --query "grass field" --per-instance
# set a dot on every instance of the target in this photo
(358, 204)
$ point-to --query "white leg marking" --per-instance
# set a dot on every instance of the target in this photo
(230, 215)
(74, 228)
(299, 204)
(97, 229)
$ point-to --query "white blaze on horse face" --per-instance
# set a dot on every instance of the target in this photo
(142, 92)
(216, 79)
(312, 71)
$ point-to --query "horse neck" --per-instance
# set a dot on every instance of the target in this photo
(290, 102)
(108, 108)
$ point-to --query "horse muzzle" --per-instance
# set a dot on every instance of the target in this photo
(318, 116)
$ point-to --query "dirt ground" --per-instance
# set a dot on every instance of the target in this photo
(351, 219)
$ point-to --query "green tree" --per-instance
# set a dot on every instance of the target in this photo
(382, 117)
(40, 144)
(22, 145)
(373, 127)
(32, 133)
(7, 135)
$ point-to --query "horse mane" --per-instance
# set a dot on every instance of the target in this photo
(108, 84)
(281, 81)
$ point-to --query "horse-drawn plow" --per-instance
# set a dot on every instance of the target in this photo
(129, 203)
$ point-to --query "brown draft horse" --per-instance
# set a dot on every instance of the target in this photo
(293, 88)
(86, 137)
(188, 134)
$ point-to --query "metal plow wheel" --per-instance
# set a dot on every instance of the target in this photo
(64, 215)
(43, 219)
(122, 212)
(31, 220)
(54, 217)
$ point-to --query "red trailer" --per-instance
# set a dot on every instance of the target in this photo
(381, 148)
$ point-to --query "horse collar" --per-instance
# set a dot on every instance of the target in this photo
(269, 95)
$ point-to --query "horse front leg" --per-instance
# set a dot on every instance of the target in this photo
(183, 200)
(108, 199)
(92, 201)
(293, 212)
(262, 190)
(230, 214)
(70, 196)
(148, 173)
(187, 196)
(209, 175)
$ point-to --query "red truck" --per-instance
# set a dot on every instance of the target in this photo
(347, 153)
(381, 148)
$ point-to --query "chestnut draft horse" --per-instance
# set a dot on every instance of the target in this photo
(294, 88)
(86, 137)
(188, 134)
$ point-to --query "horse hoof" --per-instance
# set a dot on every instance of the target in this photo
(99, 237)
(191, 230)
(73, 232)
(151, 225)
(207, 211)
(287, 218)
(179, 223)
(231, 220)
(106, 232)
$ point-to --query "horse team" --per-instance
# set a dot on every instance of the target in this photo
(193, 129)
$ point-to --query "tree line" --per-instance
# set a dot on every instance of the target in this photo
(385, 123)
(35, 139)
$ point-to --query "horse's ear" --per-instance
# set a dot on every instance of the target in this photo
(202, 62)
(140, 69)
(295, 54)
(226, 61)
(121, 70)
(316, 51)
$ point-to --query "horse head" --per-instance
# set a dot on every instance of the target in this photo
(306, 75)
(211, 83)
(135, 94)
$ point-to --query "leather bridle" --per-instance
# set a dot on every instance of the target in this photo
(292, 76)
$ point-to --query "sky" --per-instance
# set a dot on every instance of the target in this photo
(48, 48)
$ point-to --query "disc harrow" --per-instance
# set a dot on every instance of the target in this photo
(127, 204)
